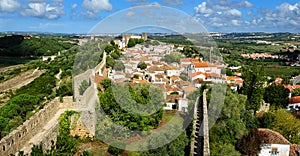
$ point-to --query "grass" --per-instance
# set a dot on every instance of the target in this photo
(167, 116)
(99, 150)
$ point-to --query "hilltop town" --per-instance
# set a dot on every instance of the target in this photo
(261, 91)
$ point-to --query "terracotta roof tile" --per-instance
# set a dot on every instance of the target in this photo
(172, 98)
(196, 73)
(202, 64)
(152, 69)
(295, 99)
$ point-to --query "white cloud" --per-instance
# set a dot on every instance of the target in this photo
(36, 1)
(43, 10)
(219, 14)
(138, 1)
(172, 2)
(96, 6)
(58, 1)
(89, 14)
(203, 9)
(233, 13)
(74, 6)
(244, 4)
(9, 5)
(93, 7)
(226, 15)
(235, 22)
(283, 16)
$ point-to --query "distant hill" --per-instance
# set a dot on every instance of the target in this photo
(18, 46)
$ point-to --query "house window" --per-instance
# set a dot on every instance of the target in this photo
(274, 151)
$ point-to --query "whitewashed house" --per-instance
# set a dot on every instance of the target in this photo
(172, 71)
(274, 150)
(294, 103)
(182, 104)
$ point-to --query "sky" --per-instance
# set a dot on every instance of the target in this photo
(82, 16)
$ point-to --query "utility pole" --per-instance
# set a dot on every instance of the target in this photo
(211, 49)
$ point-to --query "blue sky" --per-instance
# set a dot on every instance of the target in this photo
(80, 16)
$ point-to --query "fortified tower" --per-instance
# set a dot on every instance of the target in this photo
(145, 36)
(125, 38)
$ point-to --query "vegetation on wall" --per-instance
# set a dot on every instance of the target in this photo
(131, 98)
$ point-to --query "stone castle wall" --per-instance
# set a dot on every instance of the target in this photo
(13, 142)
(87, 107)
(49, 137)
(85, 103)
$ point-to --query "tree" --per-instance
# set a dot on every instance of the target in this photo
(131, 42)
(138, 103)
(277, 95)
(287, 125)
(115, 55)
(109, 49)
(296, 92)
(175, 147)
(105, 83)
(112, 42)
(190, 51)
(142, 65)
(254, 79)
(286, 80)
(170, 58)
(65, 89)
(223, 149)
(116, 148)
(231, 125)
(119, 66)
(110, 62)
(229, 72)
(266, 120)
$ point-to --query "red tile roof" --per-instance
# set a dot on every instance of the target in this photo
(155, 68)
(172, 98)
(212, 75)
(196, 73)
(239, 81)
(295, 99)
(202, 64)
(172, 89)
(291, 88)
